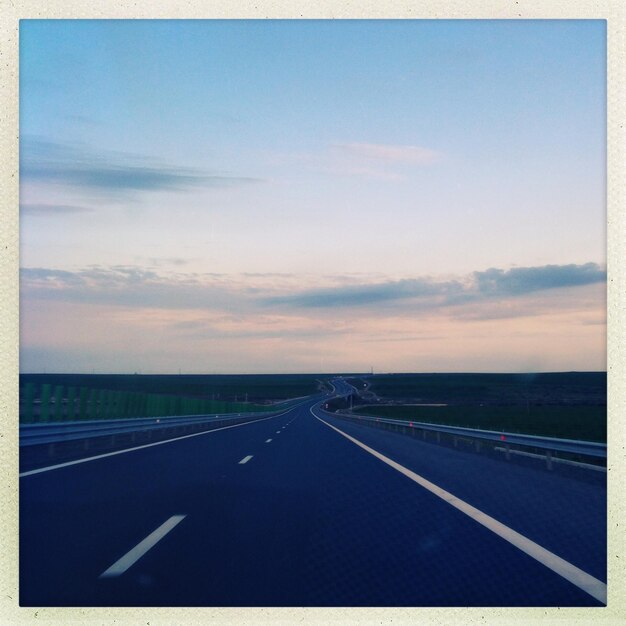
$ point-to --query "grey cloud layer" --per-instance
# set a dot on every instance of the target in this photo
(78, 166)
(128, 286)
(490, 284)
(521, 280)
(358, 295)
(136, 287)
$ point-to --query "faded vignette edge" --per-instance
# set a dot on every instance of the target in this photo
(612, 11)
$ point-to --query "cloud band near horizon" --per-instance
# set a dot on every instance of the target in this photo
(137, 287)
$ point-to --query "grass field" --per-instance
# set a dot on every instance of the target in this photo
(586, 423)
(560, 388)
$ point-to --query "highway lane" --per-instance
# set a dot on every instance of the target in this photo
(308, 519)
(565, 515)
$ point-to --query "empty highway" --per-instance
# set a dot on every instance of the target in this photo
(306, 509)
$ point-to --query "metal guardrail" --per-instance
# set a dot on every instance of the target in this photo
(56, 432)
(505, 439)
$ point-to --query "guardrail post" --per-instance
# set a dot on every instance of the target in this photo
(479, 439)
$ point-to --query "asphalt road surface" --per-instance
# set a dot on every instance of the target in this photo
(288, 511)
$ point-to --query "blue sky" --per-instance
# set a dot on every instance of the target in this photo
(290, 193)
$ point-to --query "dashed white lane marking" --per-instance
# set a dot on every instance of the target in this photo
(146, 445)
(131, 557)
(245, 459)
(573, 574)
(267, 440)
(278, 432)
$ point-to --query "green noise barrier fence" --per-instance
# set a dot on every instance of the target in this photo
(47, 403)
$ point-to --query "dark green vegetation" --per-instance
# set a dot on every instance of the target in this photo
(570, 405)
(561, 388)
(586, 423)
(45, 397)
(230, 388)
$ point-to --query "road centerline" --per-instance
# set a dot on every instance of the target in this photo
(245, 459)
(578, 577)
(132, 556)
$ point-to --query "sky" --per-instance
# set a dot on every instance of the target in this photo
(312, 196)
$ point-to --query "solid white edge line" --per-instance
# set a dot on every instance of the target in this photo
(245, 459)
(132, 556)
(594, 587)
(147, 445)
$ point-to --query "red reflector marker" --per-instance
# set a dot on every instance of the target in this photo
(502, 437)
(411, 424)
